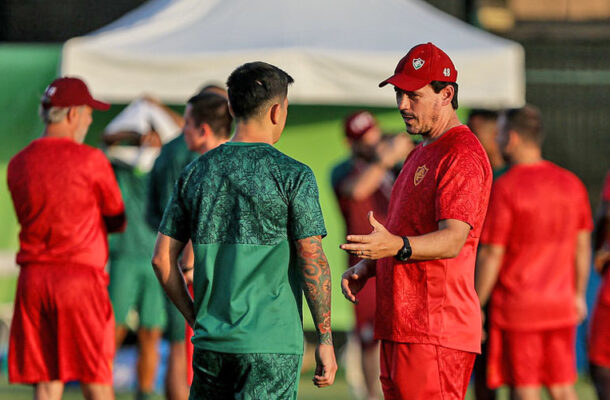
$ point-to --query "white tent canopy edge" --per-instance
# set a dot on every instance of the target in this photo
(336, 52)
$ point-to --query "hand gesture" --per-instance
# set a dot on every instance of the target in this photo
(378, 244)
(353, 280)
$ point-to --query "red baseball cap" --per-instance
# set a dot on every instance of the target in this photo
(358, 123)
(423, 64)
(68, 92)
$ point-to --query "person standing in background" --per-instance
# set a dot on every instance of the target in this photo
(66, 199)
(533, 265)
(134, 138)
(599, 338)
(174, 157)
(484, 125)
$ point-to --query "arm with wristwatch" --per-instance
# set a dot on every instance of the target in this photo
(445, 242)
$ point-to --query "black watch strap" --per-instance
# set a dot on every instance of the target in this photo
(405, 252)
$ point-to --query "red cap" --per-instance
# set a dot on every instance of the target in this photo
(423, 64)
(358, 123)
(68, 92)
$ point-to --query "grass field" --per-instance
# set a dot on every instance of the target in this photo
(339, 391)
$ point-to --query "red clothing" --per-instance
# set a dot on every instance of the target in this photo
(536, 212)
(534, 358)
(61, 190)
(188, 335)
(355, 212)
(434, 302)
(355, 215)
(63, 326)
(599, 340)
(424, 371)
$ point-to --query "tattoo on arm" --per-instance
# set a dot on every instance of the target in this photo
(315, 273)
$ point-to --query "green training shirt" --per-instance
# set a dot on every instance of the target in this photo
(136, 243)
(174, 157)
(243, 205)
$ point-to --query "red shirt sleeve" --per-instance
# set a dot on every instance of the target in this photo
(461, 189)
(496, 229)
(106, 186)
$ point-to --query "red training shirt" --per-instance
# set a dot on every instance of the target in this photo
(61, 191)
(535, 213)
(355, 212)
(434, 302)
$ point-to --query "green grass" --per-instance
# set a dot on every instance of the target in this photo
(339, 391)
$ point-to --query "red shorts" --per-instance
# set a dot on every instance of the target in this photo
(531, 358)
(63, 326)
(188, 334)
(599, 339)
(416, 371)
(365, 314)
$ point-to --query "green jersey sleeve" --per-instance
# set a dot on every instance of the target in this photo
(175, 222)
(304, 213)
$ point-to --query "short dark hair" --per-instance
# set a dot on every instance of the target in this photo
(485, 114)
(437, 86)
(527, 122)
(212, 109)
(254, 85)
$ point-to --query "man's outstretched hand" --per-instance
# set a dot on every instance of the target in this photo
(378, 244)
(326, 365)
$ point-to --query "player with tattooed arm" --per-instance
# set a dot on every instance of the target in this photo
(254, 219)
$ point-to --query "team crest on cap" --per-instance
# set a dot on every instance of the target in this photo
(420, 174)
(418, 63)
(50, 91)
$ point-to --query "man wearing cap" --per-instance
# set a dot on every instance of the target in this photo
(428, 317)
(362, 183)
(66, 199)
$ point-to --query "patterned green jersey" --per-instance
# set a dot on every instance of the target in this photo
(243, 205)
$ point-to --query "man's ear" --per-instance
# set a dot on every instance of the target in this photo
(447, 94)
(231, 110)
(513, 138)
(274, 113)
(72, 112)
(205, 130)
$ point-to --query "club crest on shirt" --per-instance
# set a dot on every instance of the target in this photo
(420, 174)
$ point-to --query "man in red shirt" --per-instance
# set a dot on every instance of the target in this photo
(66, 199)
(599, 340)
(363, 183)
(428, 317)
(534, 264)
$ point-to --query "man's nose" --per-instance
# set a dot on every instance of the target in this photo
(403, 101)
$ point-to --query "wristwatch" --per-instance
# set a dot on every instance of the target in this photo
(405, 252)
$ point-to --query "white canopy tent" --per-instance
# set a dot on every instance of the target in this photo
(337, 51)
